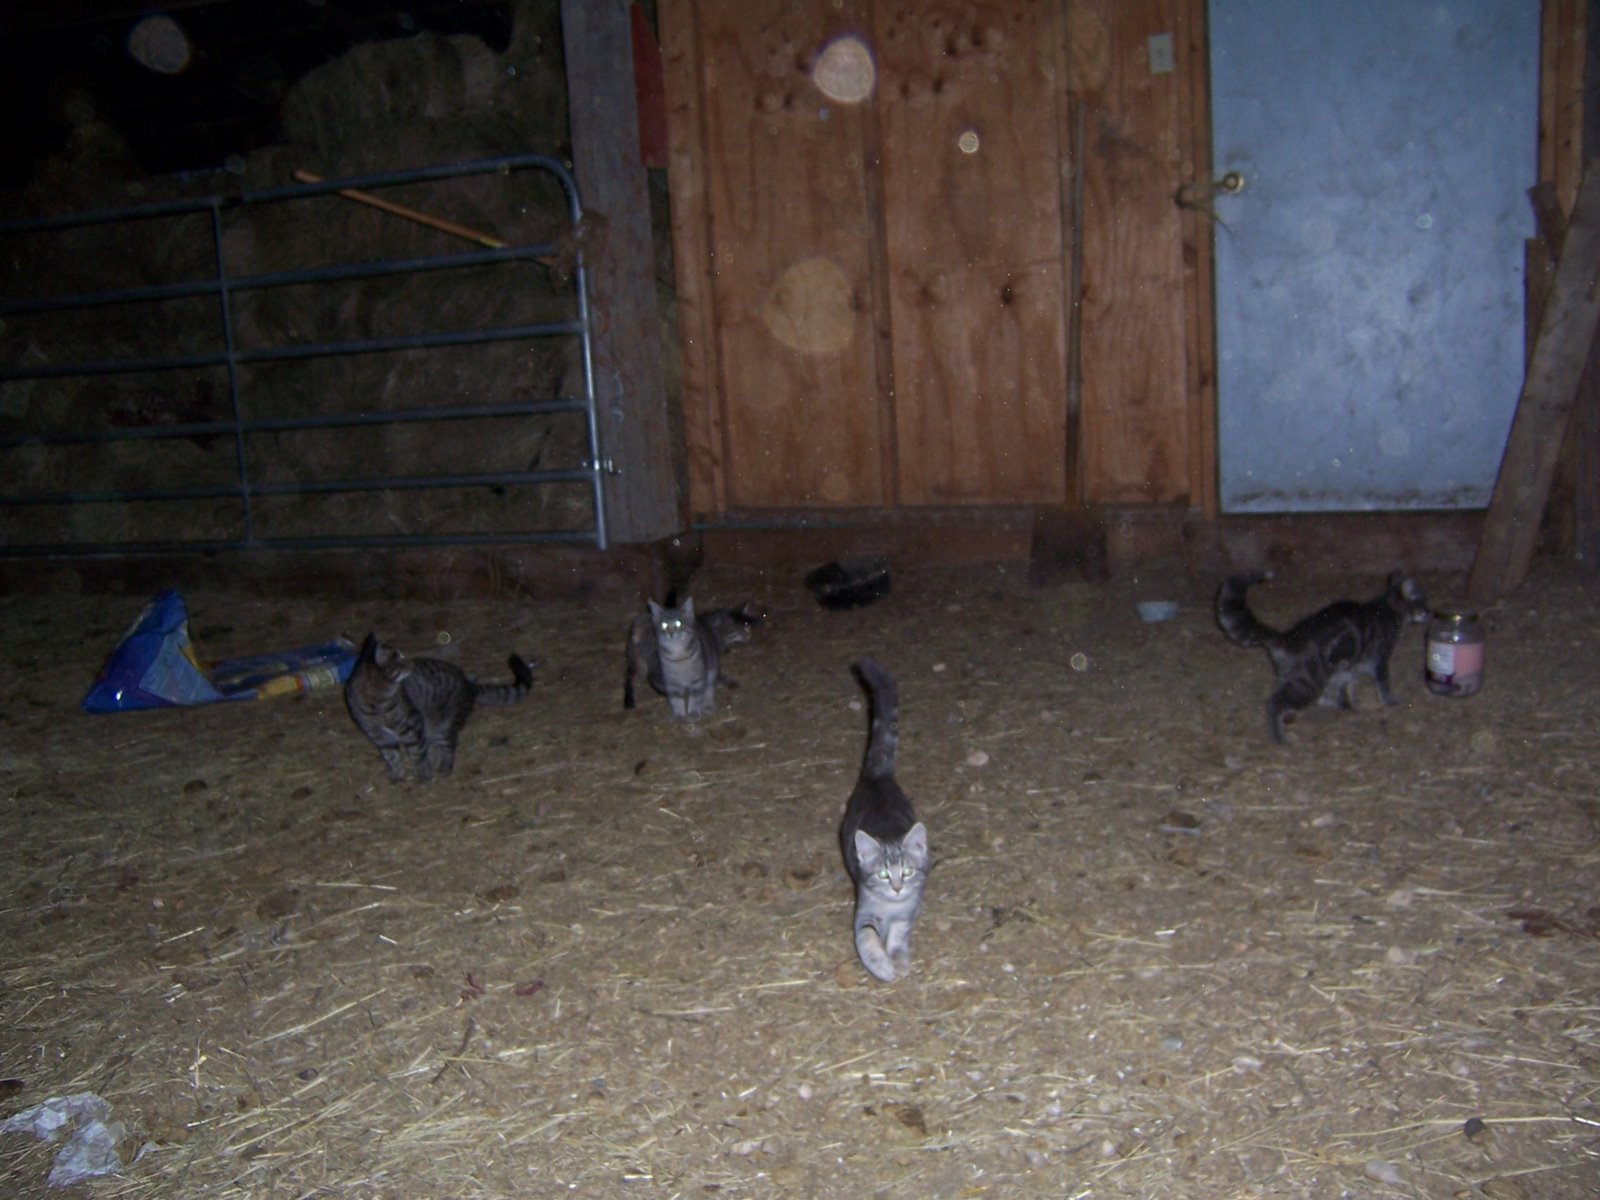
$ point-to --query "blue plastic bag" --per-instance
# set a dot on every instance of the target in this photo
(155, 666)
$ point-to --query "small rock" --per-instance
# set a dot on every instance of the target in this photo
(278, 905)
(1400, 898)
(1180, 822)
(1382, 1172)
(799, 878)
(911, 1116)
(1503, 1187)
(1246, 1063)
(1477, 1131)
(978, 758)
(1399, 956)
(1079, 661)
(938, 668)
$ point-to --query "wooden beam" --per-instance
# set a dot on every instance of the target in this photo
(1560, 350)
(630, 384)
(1197, 223)
(691, 256)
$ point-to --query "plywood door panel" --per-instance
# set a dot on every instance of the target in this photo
(1136, 422)
(973, 236)
(789, 249)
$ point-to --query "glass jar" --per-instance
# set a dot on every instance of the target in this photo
(1455, 654)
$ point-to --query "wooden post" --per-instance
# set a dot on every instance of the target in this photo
(1560, 350)
(630, 384)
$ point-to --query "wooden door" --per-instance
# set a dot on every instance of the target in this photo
(973, 234)
(1141, 434)
(874, 295)
(792, 414)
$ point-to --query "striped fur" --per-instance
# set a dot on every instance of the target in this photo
(1319, 659)
(413, 709)
(680, 654)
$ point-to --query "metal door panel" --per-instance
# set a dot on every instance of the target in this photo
(1369, 274)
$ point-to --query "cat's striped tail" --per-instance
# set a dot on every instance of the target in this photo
(1233, 610)
(508, 693)
(884, 738)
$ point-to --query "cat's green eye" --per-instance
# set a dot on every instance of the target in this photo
(883, 872)
(908, 872)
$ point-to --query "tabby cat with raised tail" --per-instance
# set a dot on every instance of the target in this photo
(680, 654)
(413, 709)
(885, 846)
(1320, 658)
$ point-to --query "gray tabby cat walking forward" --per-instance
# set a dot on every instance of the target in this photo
(413, 709)
(885, 846)
(1319, 659)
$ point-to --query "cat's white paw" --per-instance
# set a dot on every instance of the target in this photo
(869, 947)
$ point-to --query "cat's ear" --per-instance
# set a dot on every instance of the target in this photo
(369, 646)
(868, 851)
(688, 609)
(655, 609)
(916, 841)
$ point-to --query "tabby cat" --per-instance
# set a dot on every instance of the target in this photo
(414, 708)
(885, 846)
(681, 654)
(1320, 658)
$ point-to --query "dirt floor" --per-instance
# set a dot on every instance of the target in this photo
(1160, 955)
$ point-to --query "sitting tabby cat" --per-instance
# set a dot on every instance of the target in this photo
(414, 708)
(885, 846)
(681, 654)
(1319, 658)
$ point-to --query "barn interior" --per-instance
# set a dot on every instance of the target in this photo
(479, 323)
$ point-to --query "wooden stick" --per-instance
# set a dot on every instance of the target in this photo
(411, 214)
(1549, 394)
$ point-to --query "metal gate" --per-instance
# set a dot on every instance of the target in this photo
(64, 454)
